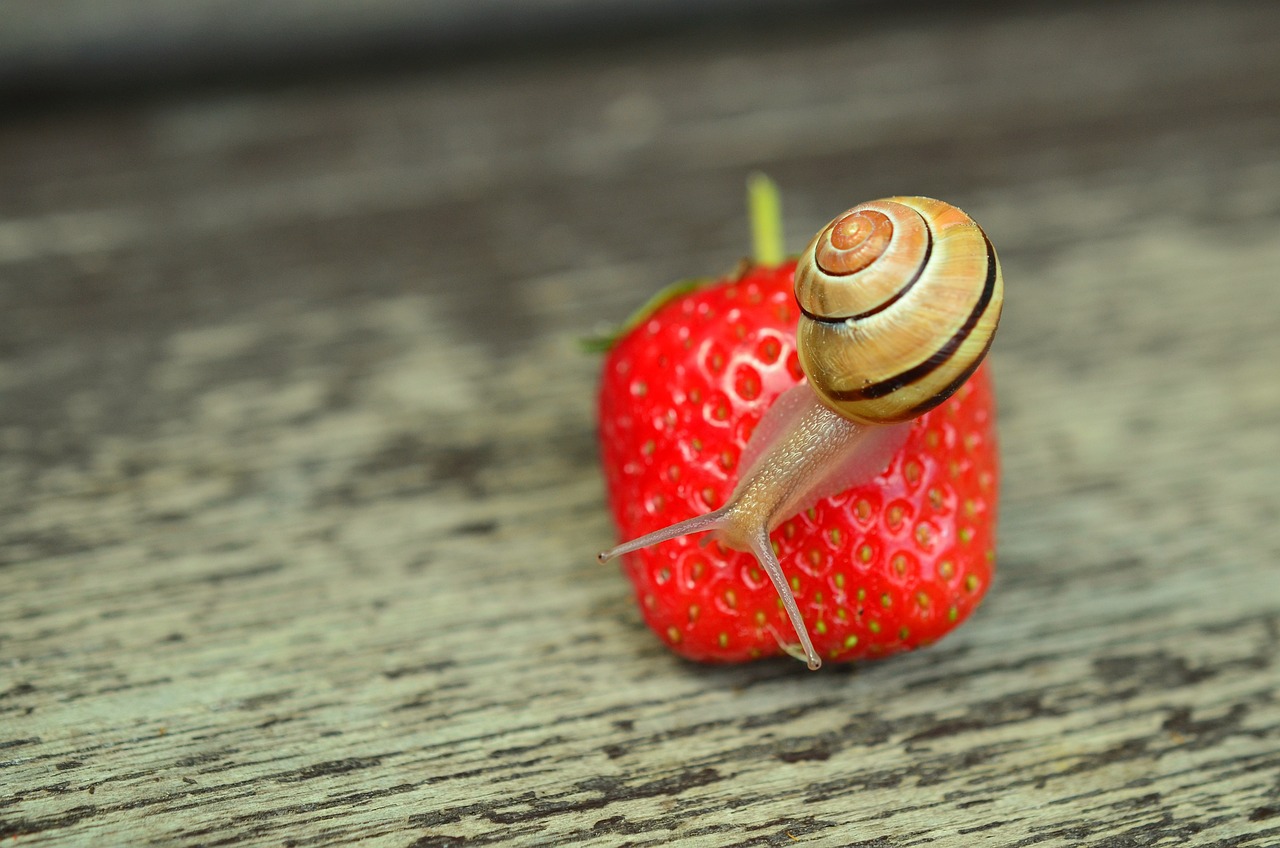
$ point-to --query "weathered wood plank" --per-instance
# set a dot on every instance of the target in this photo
(298, 495)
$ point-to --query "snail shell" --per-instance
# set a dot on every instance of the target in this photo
(900, 299)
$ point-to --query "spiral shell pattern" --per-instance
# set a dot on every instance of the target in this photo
(900, 300)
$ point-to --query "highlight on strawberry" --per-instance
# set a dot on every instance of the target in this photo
(827, 424)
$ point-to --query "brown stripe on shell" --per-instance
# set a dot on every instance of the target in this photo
(954, 386)
(937, 359)
(831, 296)
(842, 251)
(906, 287)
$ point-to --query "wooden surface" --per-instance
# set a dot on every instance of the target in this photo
(298, 487)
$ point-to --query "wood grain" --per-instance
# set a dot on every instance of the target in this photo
(298, 488)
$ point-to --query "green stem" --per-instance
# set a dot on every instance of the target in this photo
(764, 207)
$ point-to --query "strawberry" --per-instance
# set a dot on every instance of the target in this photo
(890, 565)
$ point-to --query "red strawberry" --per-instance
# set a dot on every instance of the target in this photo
(888, 566)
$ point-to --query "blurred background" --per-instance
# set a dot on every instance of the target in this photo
(81, 45)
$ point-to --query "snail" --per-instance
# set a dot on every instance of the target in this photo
(899, 302)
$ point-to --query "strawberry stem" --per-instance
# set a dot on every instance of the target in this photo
(764, 208)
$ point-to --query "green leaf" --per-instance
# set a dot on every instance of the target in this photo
(604, 341)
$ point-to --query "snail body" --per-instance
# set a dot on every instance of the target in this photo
(900, 299)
